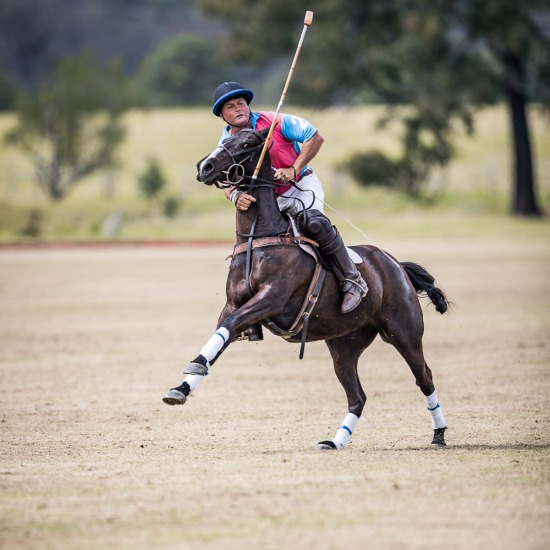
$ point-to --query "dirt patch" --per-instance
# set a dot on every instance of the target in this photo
(91, 338)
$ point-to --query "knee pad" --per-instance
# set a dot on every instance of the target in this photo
(315, 223)
(317, 226)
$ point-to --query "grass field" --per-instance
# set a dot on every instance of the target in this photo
(91, 338)
(475, 188)
(90, 457)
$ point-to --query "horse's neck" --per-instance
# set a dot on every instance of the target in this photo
(263, 217)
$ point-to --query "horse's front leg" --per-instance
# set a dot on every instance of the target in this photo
(198, 368)
(231, 323)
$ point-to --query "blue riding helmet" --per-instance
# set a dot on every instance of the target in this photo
(229, 90)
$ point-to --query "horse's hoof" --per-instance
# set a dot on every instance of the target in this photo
(439, 438)
(174, 397)
(326, 446)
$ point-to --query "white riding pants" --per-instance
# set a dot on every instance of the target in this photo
(306, 194)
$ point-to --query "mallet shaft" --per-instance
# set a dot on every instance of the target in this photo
(307, 22)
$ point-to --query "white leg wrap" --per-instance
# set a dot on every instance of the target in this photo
(211, 349)
(438, 420)
(193, 380)
(343, 435)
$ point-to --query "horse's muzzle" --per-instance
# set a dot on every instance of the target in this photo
(205, 170)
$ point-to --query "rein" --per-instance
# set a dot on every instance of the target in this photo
(236, 176)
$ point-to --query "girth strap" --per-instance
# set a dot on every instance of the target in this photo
(302, 319)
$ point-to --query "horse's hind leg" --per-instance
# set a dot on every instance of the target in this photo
(406, 337)
(345, 354)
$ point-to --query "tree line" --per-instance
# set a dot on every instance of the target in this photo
(442, 59)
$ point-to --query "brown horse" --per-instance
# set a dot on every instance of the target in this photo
(270, 283)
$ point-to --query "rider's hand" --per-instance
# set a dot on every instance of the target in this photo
(285, 174)
(244, 200)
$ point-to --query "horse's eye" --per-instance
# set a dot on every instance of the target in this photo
(246, 145)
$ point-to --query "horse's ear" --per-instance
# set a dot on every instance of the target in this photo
(264, 132)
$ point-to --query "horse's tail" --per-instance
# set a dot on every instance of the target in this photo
(423, 282)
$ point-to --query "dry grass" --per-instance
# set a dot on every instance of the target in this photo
(477, 182)
(91, 458)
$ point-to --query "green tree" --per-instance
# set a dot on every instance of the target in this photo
(71, 127)
(171, 206)
(183, 70)
(7, 93)
(441, 58)
(152, 181)
(517, 36)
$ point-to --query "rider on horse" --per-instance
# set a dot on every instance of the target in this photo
(300, 192)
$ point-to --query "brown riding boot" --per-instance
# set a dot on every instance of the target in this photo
(317, 226)
(354, 292)
(351, 282)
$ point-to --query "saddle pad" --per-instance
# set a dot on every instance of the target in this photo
(354, 256)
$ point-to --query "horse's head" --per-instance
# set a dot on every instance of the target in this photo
(233, 159)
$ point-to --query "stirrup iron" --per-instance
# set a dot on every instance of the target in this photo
(363, 288)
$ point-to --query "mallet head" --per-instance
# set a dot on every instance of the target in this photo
(308, 18)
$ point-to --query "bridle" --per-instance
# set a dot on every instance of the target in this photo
(235, 174)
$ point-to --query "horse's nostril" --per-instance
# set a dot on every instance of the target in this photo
(207, 168)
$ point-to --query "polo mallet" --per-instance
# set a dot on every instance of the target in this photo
(307, 22)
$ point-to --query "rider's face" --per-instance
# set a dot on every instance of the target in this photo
(236, 112)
